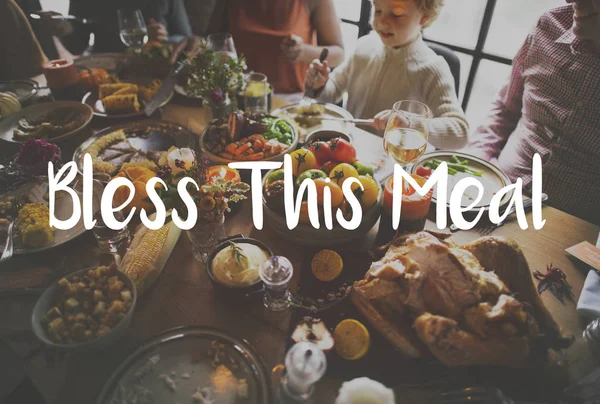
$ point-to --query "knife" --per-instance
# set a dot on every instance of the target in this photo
(165, 90)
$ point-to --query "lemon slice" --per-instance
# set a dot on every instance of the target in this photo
(352, 339)
(327, 265)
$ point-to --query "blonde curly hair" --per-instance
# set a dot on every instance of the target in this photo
(430, 7)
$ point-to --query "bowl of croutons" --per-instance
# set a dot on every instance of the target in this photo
(88, 309)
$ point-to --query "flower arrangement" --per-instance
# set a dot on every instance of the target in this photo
(214, 78)
(212, 199)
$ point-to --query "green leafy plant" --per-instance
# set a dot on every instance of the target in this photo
(214, 78)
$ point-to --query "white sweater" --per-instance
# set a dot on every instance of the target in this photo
(377, 76)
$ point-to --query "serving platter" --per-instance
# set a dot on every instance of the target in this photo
(386, 364)
(291, 111)
(181, 355)
(38, 111)
(91, 99)
(143, 136)
(492, 179)
(35, 192)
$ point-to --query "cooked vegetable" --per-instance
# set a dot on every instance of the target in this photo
(148, 253)
(453, 167)
(121, 103)
(139, 176)
(33, 223)
(278, 129)
(93, 77)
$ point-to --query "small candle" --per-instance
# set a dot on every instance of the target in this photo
(60, 73)
(181, 160)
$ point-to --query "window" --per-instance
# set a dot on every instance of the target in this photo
(485, 34)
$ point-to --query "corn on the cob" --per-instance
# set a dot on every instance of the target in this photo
(33, 222)
(148, 253)
(129, 89)
(147, 92)
(121, 103)
(108, 89)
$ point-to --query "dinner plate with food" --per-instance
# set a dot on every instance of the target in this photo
(51, 121)
(462, 165)
(190, 364)
(425, 310)
(105, 61)
(123, 99)
(32, 222)
(316, 116)
(141, 143)
(244, 136)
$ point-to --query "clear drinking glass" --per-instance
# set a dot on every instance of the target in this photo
(222, 44)
(132, 28)
(111, 241)
(276, 273)
(405, 138)
(256, 95)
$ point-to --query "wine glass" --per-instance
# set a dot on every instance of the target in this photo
(132, 28)
(222, 44)
(405, 138)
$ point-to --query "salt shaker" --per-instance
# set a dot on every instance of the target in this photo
(591, 335)
(276, 273)
(305, 364)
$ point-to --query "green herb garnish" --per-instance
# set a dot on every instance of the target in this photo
(238, 255)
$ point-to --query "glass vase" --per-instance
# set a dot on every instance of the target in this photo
(205, 236)
(217, 110)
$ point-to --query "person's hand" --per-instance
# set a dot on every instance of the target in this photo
(317, 67)
(58, 27)
(191, 45)
(291, 47)
(381, 120)
(157, 31)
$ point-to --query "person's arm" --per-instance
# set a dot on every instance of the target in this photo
(329, 33)
(337, 85)
(20, 52)
(448, 129)
(488, 139)
(168, 20)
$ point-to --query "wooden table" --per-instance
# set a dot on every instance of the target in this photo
(184, 296)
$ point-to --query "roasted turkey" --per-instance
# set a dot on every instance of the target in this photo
(472, 304)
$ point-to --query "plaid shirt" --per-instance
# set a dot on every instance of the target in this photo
(550, 106)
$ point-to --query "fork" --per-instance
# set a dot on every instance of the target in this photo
(478, 395)
(16, 205)
(487, 230)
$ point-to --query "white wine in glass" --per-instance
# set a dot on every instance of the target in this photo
(405, 138)
(132, 28)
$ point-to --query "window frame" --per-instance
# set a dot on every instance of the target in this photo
(478, 54)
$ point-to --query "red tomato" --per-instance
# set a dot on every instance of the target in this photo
(322, 151)
(329, 165)
(342, 150)
(424, 172)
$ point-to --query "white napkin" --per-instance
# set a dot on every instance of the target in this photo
(589, 300)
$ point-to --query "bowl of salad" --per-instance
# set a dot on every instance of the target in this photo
(244, 136)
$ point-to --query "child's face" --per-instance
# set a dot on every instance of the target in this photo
(398, 22)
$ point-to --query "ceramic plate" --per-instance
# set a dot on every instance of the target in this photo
(106, 61)
(305, 128)
(33, 112)
(35, 192)
(92, 100)
(492, 178)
